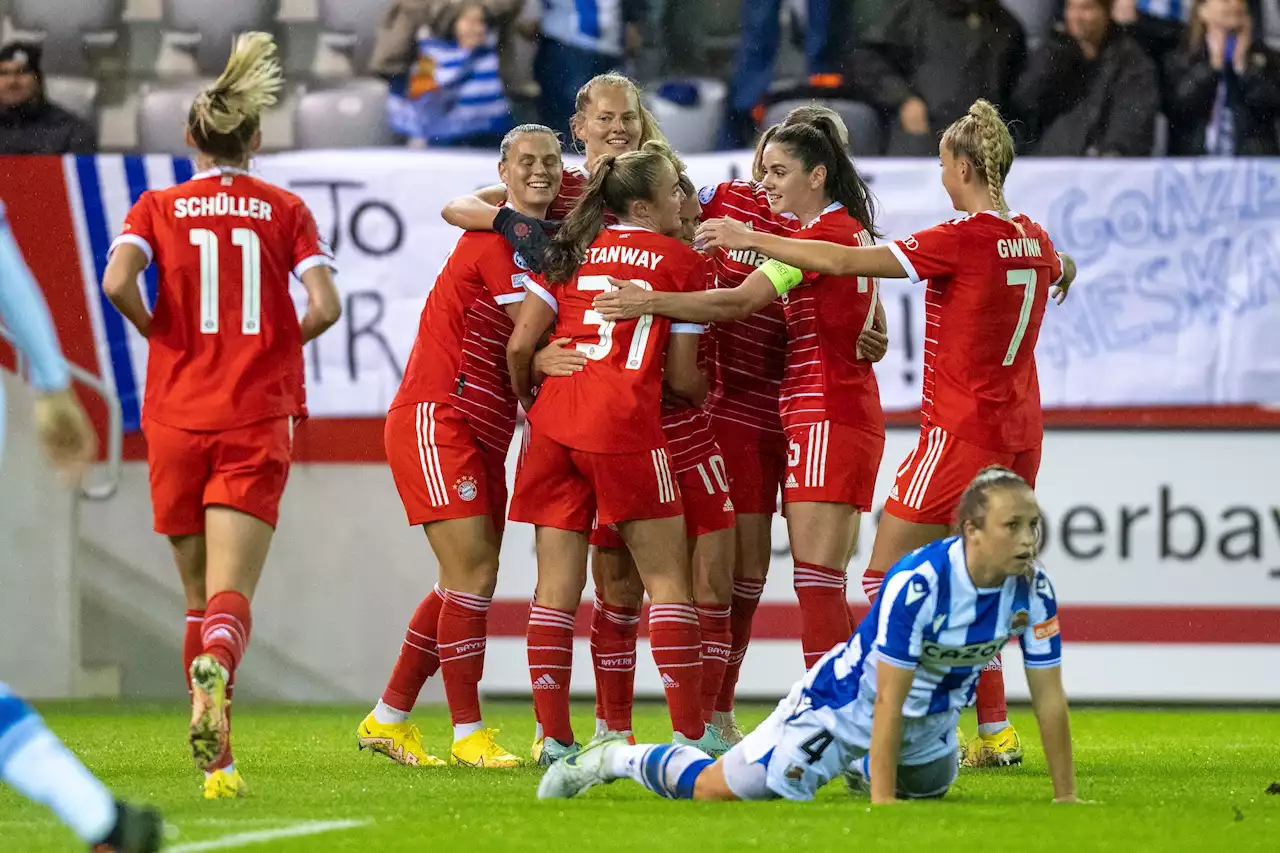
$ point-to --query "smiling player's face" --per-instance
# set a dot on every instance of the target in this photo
(1006, 543)
(532, 171)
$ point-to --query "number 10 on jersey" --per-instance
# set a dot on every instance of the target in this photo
(250, 284)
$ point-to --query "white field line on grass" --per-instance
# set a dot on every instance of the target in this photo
(262, 836)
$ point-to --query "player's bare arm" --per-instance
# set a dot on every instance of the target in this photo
(120, 283)
(1049, 700)
(893, 683)
(1059, 291)
(628, 301)
(682, 374)
(324, 305)
(475, 212)
(810, 255)
(535, 318)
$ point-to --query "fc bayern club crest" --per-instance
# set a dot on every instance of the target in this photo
(521, 229)
(466, 488)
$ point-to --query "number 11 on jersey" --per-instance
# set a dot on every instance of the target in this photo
(251, 282)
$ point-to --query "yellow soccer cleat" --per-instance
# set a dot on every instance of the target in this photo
(479, 749)
(1002, 749)
(209, 729)
(221, 785)
(401, 742)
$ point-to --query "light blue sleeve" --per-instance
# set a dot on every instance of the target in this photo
(26, 316)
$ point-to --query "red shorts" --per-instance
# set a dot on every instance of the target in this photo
(441, 469)
(707, 504)
(557, 486)
(829, 462)
(929, 483)
(756, 469)
(244, 468)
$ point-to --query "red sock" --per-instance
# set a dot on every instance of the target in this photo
(192, 643)
(550, 641)
(613, 655)
(989, 696)
(713, 625)
(226, 629)
(824, 612)
(419, 655)
(746, 597)
(871, 583)
(464, 623)
(677, 650)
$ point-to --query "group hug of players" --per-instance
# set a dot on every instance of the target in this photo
(670, 393)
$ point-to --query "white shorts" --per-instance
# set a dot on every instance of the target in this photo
(795, 752)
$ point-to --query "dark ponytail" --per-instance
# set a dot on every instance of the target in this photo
(817, 143)
(616, 181)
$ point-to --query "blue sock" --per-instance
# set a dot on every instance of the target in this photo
(669, 770)
(36, 763)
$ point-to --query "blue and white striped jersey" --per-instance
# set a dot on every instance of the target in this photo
(1174, 10)
(595, 25)
(452, 93)
(930, 618)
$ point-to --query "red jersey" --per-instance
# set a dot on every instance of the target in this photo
(613, 405)
(573, 184)
(825, 380)
(460, 354)
(988, 283)
(225, 348)
(688, 429)
(750, 353)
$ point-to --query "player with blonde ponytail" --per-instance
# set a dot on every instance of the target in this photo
(981, 398)
(224, 328)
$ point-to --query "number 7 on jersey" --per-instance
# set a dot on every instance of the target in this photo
(1026, 279)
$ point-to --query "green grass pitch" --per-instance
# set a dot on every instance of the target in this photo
(1161, 779)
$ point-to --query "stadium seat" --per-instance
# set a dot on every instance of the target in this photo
(76, 94)
(1036, 17)
(351, 115)
(700, 36)
(866, 131)
(1160, 140)
(358, 18)
(65, 28)
(691, 129)
(162, 117)
(217, 22)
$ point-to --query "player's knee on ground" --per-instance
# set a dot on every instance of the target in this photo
(928, 781)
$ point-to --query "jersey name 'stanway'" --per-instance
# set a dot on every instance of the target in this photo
(624, 255)
(222, 205)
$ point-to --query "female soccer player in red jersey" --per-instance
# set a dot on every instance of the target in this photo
(990, 274)
(830, 402)
(224, 328)
(447, 436)
(596, 448)
(610, 119)
(699, 468)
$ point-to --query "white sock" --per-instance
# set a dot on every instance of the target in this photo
(602, 728)
(385, 714)
(44, 770)
(230, 768)
(668, 769)
(992, 728)
(721, 719)
(537, 731)
(461, 730)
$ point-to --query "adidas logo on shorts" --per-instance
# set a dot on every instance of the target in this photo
(791, 482)
(668, 681)
(893, 492)
(545, 682)
(728, 505)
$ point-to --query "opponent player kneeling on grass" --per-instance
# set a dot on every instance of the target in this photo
(882, 708)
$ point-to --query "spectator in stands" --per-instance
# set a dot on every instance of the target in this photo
(928, 60)
(395, 45)
(1090, 90)
(1222, 93)
(581, 39)
(1158, 25)
(29, 124)
(453, 95)
(758, 51)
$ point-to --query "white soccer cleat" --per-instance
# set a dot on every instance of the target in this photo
(580, 771)
(711, 742)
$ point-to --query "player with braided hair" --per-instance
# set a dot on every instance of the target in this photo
(990, 274)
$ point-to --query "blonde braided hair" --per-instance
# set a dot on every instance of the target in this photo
(984, 139)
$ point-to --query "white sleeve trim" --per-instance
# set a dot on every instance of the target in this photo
(687, 328)
(907, 266)
(898, 662)
(508, 298)
(1027, 663)
(314, 261)
(1062, 274)
(133, 240)
(542, 293)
